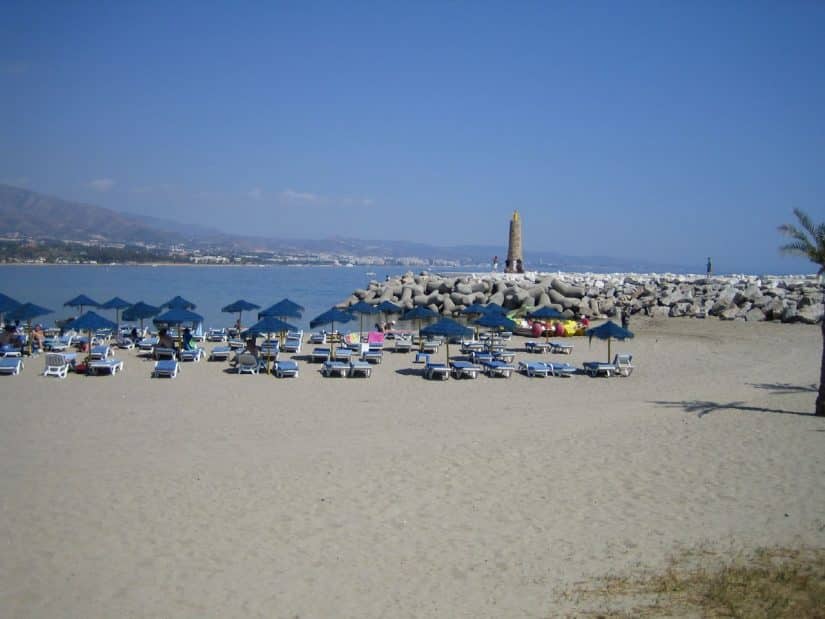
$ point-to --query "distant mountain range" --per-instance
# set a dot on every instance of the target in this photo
(35, 215)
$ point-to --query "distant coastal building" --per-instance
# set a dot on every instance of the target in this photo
(515, 255)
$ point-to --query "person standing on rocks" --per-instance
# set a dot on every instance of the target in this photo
(710, 267)
(625, 318)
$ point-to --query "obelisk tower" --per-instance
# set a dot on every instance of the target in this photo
(515, 259)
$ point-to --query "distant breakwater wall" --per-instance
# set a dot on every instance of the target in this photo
(787, 299)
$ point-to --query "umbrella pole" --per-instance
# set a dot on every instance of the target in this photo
(608, 349)
(268, 351)
(29, 322)
(332, 342)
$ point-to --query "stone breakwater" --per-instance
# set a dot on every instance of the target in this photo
(786, 298)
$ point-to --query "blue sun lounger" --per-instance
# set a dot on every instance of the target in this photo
(335, 368)
(498, 368)
(536, 347)
(534, 369)
(11, 365)
(191, 354)
(561, 369)
(319, 354)
(597, 368)
(220, 353)
(286, 368)
(465, 369)
(359, 368)
(165, 367)
(436, 370)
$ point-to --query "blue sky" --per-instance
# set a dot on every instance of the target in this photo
(661, 130)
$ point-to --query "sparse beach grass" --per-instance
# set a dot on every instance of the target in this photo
(767, 583)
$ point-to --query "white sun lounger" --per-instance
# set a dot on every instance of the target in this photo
(57, 364)
(105, 366)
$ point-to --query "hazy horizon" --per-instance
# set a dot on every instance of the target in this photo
(653, 131)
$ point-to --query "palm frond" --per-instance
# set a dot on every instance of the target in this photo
(793, 232)
(805, 221)
(799, 248)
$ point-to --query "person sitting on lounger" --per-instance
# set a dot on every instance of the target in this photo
(165, 340)
(38, 336)
(187, 340)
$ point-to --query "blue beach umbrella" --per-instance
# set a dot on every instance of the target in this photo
(81, 301)
(608, 331)
(387, 308)
(140, 311)
(91, 322)
(495, 321)
(363, 308)
(418, 314)
(474, 309)
(330, 317)
(447, 328)
(27, 312)
(117, 304)
(267, 326)
(178, 302)
(178, 316)
(7, 304)
(494, 307)
(283, 309)
(240, 306)
(545, 313)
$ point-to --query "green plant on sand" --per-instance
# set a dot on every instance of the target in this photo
(770, 583)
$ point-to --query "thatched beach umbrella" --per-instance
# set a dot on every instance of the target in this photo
(283, 309)
(267, 326)
(7, 304)
(330, 317)
(608, 331)
(178, 302)
(117, 304)
(363, 308)
(178, 316)
(545, 313)
(240, 306)
(495, 322)
(447, 328)
(91, 322)
(81, 301)
(27, 312)
(140, 311)
(418, 314)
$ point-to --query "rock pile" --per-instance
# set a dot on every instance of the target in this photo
(788, 299)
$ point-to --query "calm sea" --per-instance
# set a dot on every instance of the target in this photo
(210, 288)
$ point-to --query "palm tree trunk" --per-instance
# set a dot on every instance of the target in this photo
(820, 398)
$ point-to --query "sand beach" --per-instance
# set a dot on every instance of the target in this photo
(218, 495)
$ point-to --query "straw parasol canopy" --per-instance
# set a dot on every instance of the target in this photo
(447, 328)
(608, 331)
